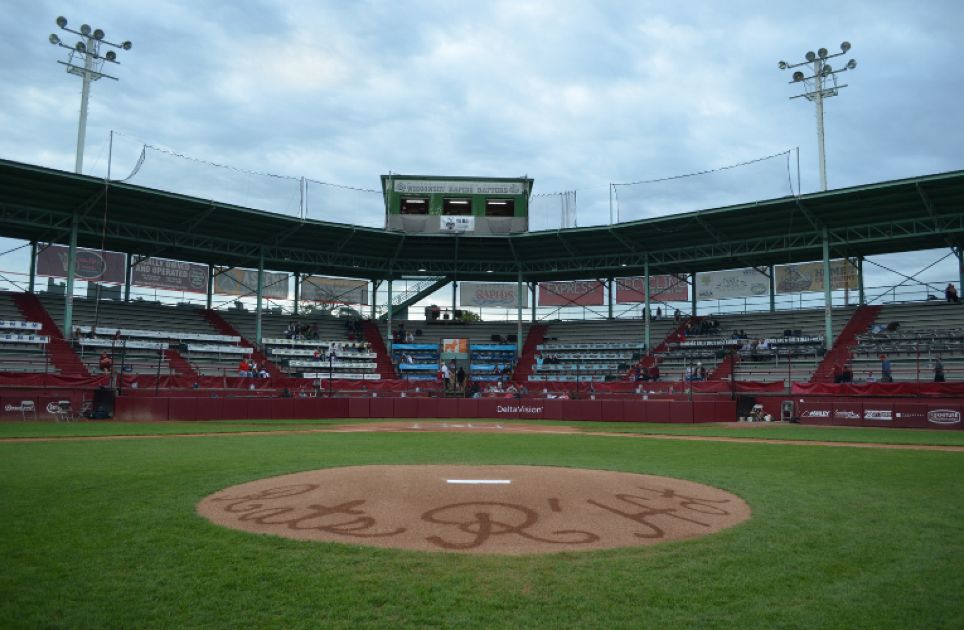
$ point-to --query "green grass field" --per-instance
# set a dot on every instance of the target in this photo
(104, 533)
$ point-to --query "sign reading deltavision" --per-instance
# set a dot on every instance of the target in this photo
(449, 187)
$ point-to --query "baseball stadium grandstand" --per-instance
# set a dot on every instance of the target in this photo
(301, 319)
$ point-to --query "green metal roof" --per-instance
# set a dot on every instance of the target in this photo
(38, 204)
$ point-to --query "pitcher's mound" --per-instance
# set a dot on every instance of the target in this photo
(476, 509)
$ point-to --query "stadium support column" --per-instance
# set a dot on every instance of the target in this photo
(827, 294)
(455, 288)
(518, 324)
(693, 298)
(297, 292)
(532, 290)
(609, 291)
(388, 305)
(128, 274)
(960, 267)
(33, 267)
(375, 285)
(860, 280)
(773, 290)
(257, 317)
(647, 330)
(68, 331)
(210, 296)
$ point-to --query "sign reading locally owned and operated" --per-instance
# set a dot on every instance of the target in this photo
(245, 282)
(163, 273)
(452, 187)
(732, 283)
(494, 294)
(804, 277)
(337, 290)
(664, 288)
(577, 293)
(91, 265)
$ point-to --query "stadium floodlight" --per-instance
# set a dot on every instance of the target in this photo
(820, 85)
(88, 69)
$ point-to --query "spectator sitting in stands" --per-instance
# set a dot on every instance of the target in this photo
(263, 372)
(539, 359)
(885, 370)
(654, 372)
(848, 375)
(893, 326)
(951, 294)
(701, 373)
(870, 378)
(475, 391)
(244, 368)
(677, 316)
(938, 370)
(638, 374)
(837, 373)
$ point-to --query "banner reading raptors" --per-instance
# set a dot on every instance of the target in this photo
(577, 293)
(91, 265)
(664, 288)
(245, 282)
(496, 294)
(340, 290)
(163, 273)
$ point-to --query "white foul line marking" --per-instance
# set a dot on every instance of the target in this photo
(479, 481)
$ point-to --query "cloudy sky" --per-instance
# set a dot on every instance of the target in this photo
(575, 94)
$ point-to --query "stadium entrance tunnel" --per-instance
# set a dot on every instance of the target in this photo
(506, 510)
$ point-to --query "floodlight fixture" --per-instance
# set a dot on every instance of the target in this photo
(820, 85)
(86, 61)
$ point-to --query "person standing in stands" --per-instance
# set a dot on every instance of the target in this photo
(106, 363)
(837, 373)
(938, 370)
(951, 294)
(885, 370)
(460, 378)
(446, 375)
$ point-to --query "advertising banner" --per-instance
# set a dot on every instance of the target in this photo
(455, 346)
(245, 282)
(732, 283)
(498, 294)
(804, 277)
(163, 273)
(664, 287)
(338, 290)
(91, 265)
(577, 293)
(456, 224)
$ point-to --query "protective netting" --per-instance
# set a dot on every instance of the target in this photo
(552, 211)
(161, 169)
(770, 177)
(344, 204)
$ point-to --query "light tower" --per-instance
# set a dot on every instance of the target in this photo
(822, 84)
(87, 47)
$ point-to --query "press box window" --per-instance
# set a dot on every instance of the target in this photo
(461, 207)
(414, 206)
(499, 208)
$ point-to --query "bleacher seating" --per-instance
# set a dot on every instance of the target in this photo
(912, 336)
(121, 329)
(792, 345)
(593, 351)
(22, 347)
